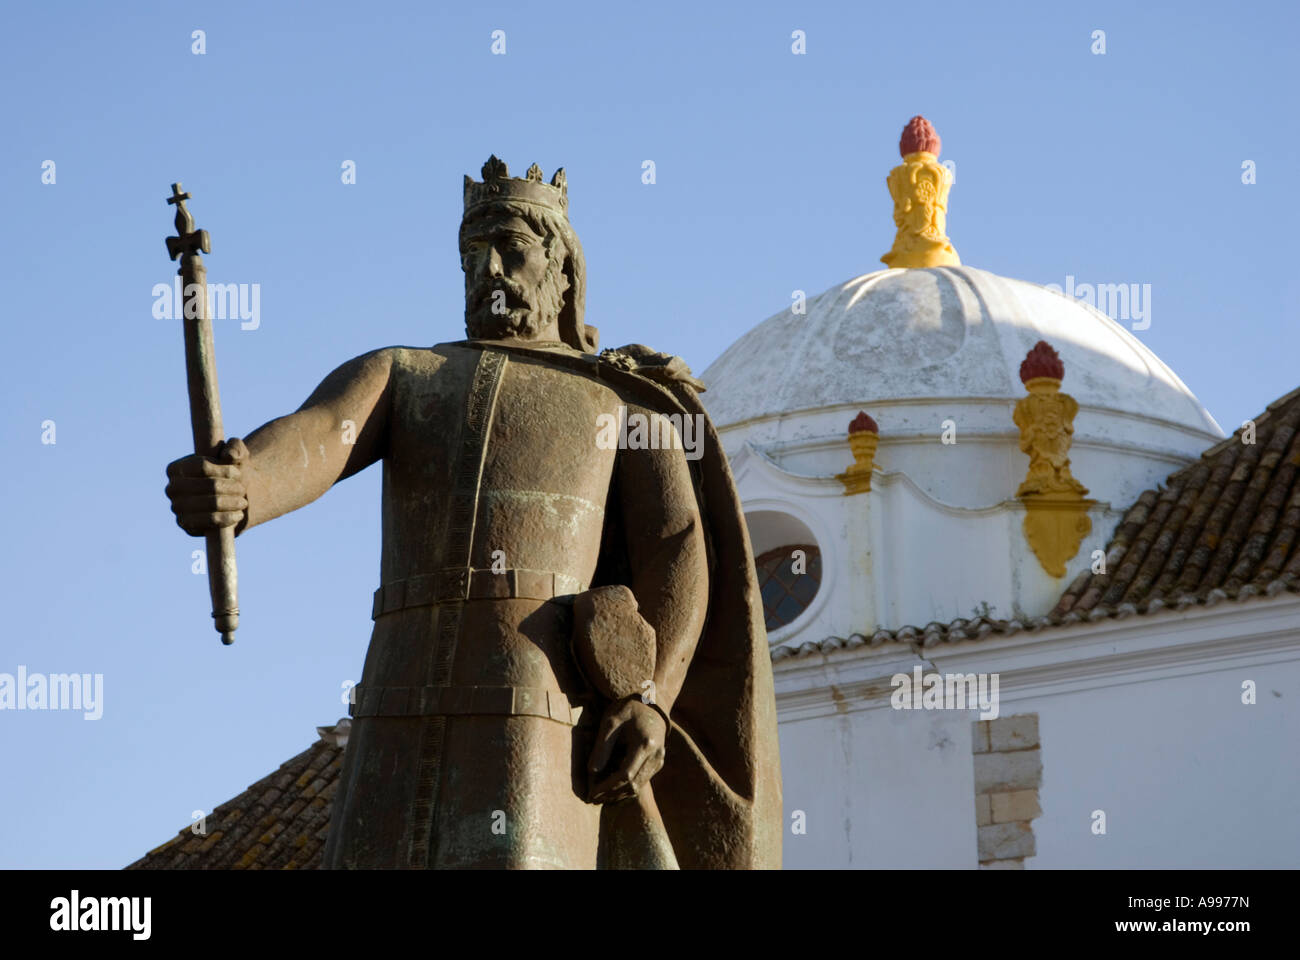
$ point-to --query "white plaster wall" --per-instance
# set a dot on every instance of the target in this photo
(1116, 456)
(881, 789)
(1141, 718)
(939, 563)
(895, 557)
(1188, 775)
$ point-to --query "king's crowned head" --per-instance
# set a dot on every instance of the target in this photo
(524, 270)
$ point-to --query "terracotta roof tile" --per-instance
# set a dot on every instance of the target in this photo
(1223, 528)
(273, 824)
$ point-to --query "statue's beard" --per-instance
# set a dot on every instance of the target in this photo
(526, 312)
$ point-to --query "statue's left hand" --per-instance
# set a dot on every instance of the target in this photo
(631, 736)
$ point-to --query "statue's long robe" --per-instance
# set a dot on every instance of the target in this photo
(473, 725)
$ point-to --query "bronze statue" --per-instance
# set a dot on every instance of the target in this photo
(559, 620)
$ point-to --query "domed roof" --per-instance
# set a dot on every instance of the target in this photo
(954, 333)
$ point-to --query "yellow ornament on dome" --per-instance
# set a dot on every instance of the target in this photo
(1056, 504)
(864, 438)
(919, 186)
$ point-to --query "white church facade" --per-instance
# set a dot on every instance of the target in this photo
(1156, 729)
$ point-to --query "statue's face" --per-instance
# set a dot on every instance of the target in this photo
(508, 291)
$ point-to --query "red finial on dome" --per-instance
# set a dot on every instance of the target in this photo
(1042, 361)
(863, 424)
(919, 136)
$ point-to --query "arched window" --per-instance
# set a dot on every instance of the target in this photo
(788, 579)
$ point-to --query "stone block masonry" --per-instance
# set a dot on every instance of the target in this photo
(1008, 772)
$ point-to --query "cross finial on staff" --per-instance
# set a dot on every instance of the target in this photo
(190, 241)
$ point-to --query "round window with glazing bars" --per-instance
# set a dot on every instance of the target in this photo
(788, 579)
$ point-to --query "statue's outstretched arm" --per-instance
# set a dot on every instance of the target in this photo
(340, 430)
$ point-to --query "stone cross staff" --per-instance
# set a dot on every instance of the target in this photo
(205, 401)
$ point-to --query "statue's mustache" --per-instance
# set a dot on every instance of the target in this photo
(516, 294)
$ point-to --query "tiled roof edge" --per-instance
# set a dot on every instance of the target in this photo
(978, 628)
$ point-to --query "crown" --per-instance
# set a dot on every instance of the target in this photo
(499, 185)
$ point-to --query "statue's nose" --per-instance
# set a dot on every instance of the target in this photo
(494, 263)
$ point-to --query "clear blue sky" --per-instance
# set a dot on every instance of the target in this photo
(770, 177)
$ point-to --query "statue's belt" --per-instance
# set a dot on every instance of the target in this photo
(465, 583)
(464, 701)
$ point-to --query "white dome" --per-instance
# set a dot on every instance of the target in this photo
(933, 355)
(955, 333)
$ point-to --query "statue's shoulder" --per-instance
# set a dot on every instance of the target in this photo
(631, 364)
(664, 369)
(419, 362)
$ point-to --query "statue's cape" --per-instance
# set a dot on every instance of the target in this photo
(719, 792)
